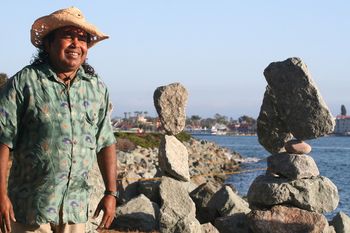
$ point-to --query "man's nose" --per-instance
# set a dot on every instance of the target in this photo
(75, 40)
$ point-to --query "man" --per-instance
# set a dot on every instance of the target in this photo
(54, 117)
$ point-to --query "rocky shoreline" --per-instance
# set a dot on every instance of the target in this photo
(138, 173)
(207, 162)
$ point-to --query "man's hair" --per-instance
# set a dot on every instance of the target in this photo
(42, 57)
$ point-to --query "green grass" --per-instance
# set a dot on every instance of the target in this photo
(183, 137)
(149, 140)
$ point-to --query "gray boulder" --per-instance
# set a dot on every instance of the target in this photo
(298, 100)
(178, 212)
(317, 194)
(170, 102)
(281, 219)
(341, 223)
(173, 158)
(138, 214)
(292, 166)
(201, 197)
(272, 131)
(226, 202)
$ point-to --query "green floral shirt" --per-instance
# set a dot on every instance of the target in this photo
(54, 133)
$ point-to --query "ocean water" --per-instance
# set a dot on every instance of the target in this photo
(332, 156)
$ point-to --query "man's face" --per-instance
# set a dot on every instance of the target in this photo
(68, 49)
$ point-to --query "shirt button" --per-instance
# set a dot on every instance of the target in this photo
(75, 142)
(74, 161)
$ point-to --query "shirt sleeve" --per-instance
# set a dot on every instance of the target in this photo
(11, 101)
(105, 136)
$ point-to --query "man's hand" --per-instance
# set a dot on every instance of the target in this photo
(6, 209)
(108, 205)
(6, 214)
(107, 162)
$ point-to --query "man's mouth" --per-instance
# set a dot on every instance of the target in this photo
(73, 54)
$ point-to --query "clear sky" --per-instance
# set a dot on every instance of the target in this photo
(216, 49)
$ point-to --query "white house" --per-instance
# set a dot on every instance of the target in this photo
(342, 125)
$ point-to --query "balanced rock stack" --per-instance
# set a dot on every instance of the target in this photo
(178, 211)
(292, 195)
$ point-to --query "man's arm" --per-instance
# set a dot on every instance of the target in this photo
(107, 161)
(6, 210)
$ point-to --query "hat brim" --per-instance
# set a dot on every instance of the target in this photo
(46, 24)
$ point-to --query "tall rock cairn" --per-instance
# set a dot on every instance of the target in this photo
(177, 213)
(291, 196)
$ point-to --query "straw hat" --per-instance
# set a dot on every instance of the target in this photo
(65, 17)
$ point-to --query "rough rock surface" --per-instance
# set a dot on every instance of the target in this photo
(298, 100)
(209, 228)
(271, 129)
(150, 188)
(317, 194)
(281, 219)
(138, 214)
(341, 223)
(143, 161)
(292, 166)
(236, 223)
(226, 202)
(330, 229)
(170, 102)
(201, 197)
(297, 147)
(173, 158)
(178, 212)
(209, 159)
(128, 187)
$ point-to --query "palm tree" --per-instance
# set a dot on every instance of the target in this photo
(343, 110)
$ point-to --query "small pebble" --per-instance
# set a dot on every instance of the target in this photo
(297, 147)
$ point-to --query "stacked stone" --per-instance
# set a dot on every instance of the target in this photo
(292, 195)
(178, 211)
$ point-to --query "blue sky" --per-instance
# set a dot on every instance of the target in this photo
(216, 49)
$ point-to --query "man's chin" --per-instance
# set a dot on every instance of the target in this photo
(73, 66)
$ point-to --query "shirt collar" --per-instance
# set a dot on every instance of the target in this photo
(49, 73)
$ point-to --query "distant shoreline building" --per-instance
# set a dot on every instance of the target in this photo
(342, 126)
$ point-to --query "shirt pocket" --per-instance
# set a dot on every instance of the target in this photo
(90, 129)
